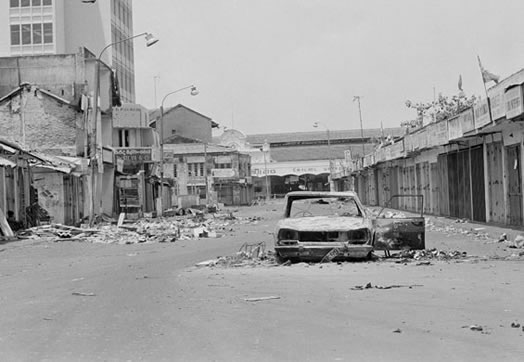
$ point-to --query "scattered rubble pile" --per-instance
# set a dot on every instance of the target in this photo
(428, 254)
(159, 230)
(478, 232)
(248, 255)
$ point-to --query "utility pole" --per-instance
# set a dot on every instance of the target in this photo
(357, 98)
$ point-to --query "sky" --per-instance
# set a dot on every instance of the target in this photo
(267, 66)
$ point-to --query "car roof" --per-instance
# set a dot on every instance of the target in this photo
(294, 194)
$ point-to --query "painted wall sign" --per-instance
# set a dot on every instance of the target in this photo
(397, 150)
(454, 128)
(497, 104)
(223, 172)
(297, 168)
(514, 102)
(441, 133)
(130, 116)
(481, 111)
(466, 120)
(134, 154)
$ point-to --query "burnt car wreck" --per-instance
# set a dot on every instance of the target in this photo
(331, 226)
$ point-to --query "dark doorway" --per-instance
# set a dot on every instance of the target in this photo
(514, 185)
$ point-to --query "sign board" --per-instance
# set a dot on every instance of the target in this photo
(454, 128)
(514, 102)
(119, 165)
(481, 111)
(387, 152)
(466, 120)
(297, 168)
(134, 154)
(380, 155)
(223, 172)
(107, 155)
(369, 160)
(397, 150)
(408, 143)
(441, 132)
(497, 104)
(130, 116)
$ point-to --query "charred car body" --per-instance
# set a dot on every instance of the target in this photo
(326, 226)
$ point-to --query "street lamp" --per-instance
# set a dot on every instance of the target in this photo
(357, 98)
(194, 92)
(96, 149)
(265, 149)
(316, 125)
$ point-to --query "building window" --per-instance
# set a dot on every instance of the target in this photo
(26, 34)
(37, 2)
(25, 3)
(196, 169)
(175, 170)
(123, 138)
(37, 33)
(48, 2)
(14, 3)
(15, 34)
(48, 32)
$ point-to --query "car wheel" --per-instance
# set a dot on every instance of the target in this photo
(280, 259)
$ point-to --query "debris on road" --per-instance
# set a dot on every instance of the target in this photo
(254, 254)
(80, 294)
(428, 254)
(193, 225)
(398, 330)
(515, 325)
(518, 243)
(371, 286)
(259, 299)
(475, 327)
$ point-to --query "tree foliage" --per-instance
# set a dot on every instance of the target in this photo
(443, 108)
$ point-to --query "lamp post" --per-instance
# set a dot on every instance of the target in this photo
(194, 92)
(315, 125)
(265, 149)
(96, 148)
(357, 98)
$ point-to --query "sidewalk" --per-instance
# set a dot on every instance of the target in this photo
(480, 239)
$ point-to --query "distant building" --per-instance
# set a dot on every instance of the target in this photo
(36, 27)
(301, 160)
(182, 124)
(223, 171)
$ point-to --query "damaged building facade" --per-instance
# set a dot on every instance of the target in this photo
(468, 166)
(46, 108)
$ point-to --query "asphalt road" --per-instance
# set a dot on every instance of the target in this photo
(74, 301)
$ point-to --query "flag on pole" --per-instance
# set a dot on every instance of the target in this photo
(486, 75)
(460, 83)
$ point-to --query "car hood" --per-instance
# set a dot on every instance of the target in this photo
(323, 223)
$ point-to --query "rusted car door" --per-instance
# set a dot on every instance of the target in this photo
(399, 231)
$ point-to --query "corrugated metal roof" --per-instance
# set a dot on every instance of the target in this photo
(4, 162)
(317, 152)
(188, 148)
(322, 135)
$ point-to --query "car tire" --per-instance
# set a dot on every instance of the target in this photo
(280, 259)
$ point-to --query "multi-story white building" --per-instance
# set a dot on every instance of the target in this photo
(35, 27)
